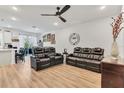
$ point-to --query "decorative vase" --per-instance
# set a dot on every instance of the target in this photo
(114, 50)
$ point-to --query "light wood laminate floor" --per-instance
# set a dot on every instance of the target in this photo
(59, 76)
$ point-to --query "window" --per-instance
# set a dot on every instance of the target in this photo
(32, 40)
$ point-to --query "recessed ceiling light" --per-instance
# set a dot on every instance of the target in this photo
(56, 24)
(37, 29)
(102, 7)
(15, 8)
(13, 18)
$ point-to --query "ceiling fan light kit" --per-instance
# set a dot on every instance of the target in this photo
(59, 13)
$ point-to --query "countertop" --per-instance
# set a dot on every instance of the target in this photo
(7, 50)
(110, 60)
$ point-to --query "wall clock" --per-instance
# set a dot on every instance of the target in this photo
(74, 38)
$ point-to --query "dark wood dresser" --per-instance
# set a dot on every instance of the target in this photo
(112, 73)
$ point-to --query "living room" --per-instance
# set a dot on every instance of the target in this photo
(61, 46)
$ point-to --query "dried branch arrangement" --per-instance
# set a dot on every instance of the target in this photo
(117, 25)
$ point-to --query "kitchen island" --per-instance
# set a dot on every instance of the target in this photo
(7, 56)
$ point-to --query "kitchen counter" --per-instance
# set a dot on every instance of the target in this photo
(7, 49)
(7, 56)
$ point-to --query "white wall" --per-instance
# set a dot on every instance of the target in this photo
(96, 33)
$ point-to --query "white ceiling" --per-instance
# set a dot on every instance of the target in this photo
(28, 16)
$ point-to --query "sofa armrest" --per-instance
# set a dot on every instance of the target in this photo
(47, 56)
(34, 58)
(58, 54)
(101, 57)
(33, 62)
(69, 55)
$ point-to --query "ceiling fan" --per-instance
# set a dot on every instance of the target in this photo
(59, 12)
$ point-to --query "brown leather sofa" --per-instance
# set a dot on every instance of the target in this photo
(45, 57)
(87, 58)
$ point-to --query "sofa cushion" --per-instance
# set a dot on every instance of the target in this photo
(44, 59)
(101, 57)
(76, 54)
(94, 63)
(58, 57)
(71, 58)
(80, 55)
(40, 55)
(90, 56)
(81, 59)
(98, 57)
(51, 54)
(86, 50)
(83, 55)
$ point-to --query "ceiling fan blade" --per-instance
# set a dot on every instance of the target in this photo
(63, 19)
(64, 9)
(48, 14)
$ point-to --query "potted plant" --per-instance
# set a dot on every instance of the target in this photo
(26, 45)
(116, 29)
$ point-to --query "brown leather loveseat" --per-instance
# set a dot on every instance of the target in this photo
(44, 57)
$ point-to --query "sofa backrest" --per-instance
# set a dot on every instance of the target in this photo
(97, 51)
(86, 50)
(52, 50)
(89, 53)
(77, 50)
(37, 50)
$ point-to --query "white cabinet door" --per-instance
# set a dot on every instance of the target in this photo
(7, 37)
(1, 38)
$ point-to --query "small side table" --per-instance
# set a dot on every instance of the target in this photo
(64, 57)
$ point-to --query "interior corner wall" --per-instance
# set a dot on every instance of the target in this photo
(96, 33)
